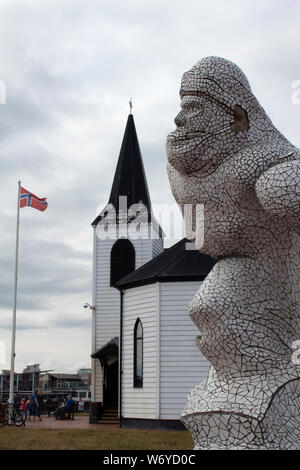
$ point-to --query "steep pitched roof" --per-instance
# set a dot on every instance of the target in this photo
(109, 349)
(130, 179)
(174, 264)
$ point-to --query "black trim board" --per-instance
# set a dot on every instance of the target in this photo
(152, 280)
(159, 424)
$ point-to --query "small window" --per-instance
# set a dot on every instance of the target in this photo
(122, 260)
(138, 354)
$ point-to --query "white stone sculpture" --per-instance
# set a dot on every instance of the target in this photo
(227, 155)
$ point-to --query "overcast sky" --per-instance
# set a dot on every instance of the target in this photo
(70, 67)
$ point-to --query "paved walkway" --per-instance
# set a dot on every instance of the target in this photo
(80, 422)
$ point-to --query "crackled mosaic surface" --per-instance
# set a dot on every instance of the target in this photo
(227, 155)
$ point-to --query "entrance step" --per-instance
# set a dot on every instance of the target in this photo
(109, 416)
(108, 422)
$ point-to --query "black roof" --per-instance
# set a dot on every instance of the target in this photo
(174, 264)
(130, 179)
(109, 349)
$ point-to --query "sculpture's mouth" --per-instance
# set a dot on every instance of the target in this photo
(180, 145)
(194, 135)
(178, 136)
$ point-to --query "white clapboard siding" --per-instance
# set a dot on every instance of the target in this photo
(107, 298)
(182, 366)
(158, 246)
(140, 302)
(98, 394)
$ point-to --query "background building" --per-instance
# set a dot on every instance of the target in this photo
(24, 382)
(49, 383)
(61, 385)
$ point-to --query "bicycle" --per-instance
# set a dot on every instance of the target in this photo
(16, 416)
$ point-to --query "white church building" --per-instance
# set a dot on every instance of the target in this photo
(145, 355)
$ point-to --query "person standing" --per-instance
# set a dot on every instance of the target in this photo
(27, 405)
(33, 405)
(81, 406)
(16, 402)
(40, 404)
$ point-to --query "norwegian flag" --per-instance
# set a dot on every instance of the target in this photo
(29, 199)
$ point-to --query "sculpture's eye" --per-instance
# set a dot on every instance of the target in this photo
(191, 106)
(194, 109)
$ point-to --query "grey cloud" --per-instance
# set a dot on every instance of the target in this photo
(46, 271)
(68, 322)
(70, 69)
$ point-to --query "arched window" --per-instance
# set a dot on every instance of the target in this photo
(122, 260)
(138, 354)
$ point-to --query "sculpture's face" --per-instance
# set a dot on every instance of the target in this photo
(203, 131)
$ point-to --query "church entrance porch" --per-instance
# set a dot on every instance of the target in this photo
(108, 356)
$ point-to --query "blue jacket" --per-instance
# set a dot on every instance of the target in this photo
(70, 403)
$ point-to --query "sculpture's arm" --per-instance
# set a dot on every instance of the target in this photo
(278, 189)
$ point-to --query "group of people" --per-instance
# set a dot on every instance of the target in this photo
(31, 405)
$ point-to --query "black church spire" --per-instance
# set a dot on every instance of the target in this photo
(130, 179)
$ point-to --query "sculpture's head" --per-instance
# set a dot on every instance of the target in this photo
(215, 99)
(223, 143)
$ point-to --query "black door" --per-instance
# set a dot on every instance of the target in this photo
(110, 392)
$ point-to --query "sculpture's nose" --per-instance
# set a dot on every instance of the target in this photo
(180, 119)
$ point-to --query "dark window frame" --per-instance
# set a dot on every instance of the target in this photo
(122, 260)
(138, 380)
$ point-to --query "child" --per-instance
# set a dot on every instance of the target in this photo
(23, 404)
(27, 406)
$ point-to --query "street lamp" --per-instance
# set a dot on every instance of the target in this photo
(87, 305)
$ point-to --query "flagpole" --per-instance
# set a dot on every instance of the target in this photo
(13, 334)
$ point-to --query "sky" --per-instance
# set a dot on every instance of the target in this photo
(69, 68)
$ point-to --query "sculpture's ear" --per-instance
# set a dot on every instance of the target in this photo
(241, 122)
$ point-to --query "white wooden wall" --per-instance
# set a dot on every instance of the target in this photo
(140, 302)
(107, 298)
(158, 246)
(173, 364)
(182, 366)
(107, 302)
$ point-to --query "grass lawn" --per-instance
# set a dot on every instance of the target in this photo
(102, 439)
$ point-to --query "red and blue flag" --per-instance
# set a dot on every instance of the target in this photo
(29, 199)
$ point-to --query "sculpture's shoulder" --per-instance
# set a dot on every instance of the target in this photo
(278, 189)
(239, 174)
(247, 165)
(251, 396)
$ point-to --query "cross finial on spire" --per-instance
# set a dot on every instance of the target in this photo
(130, 105)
